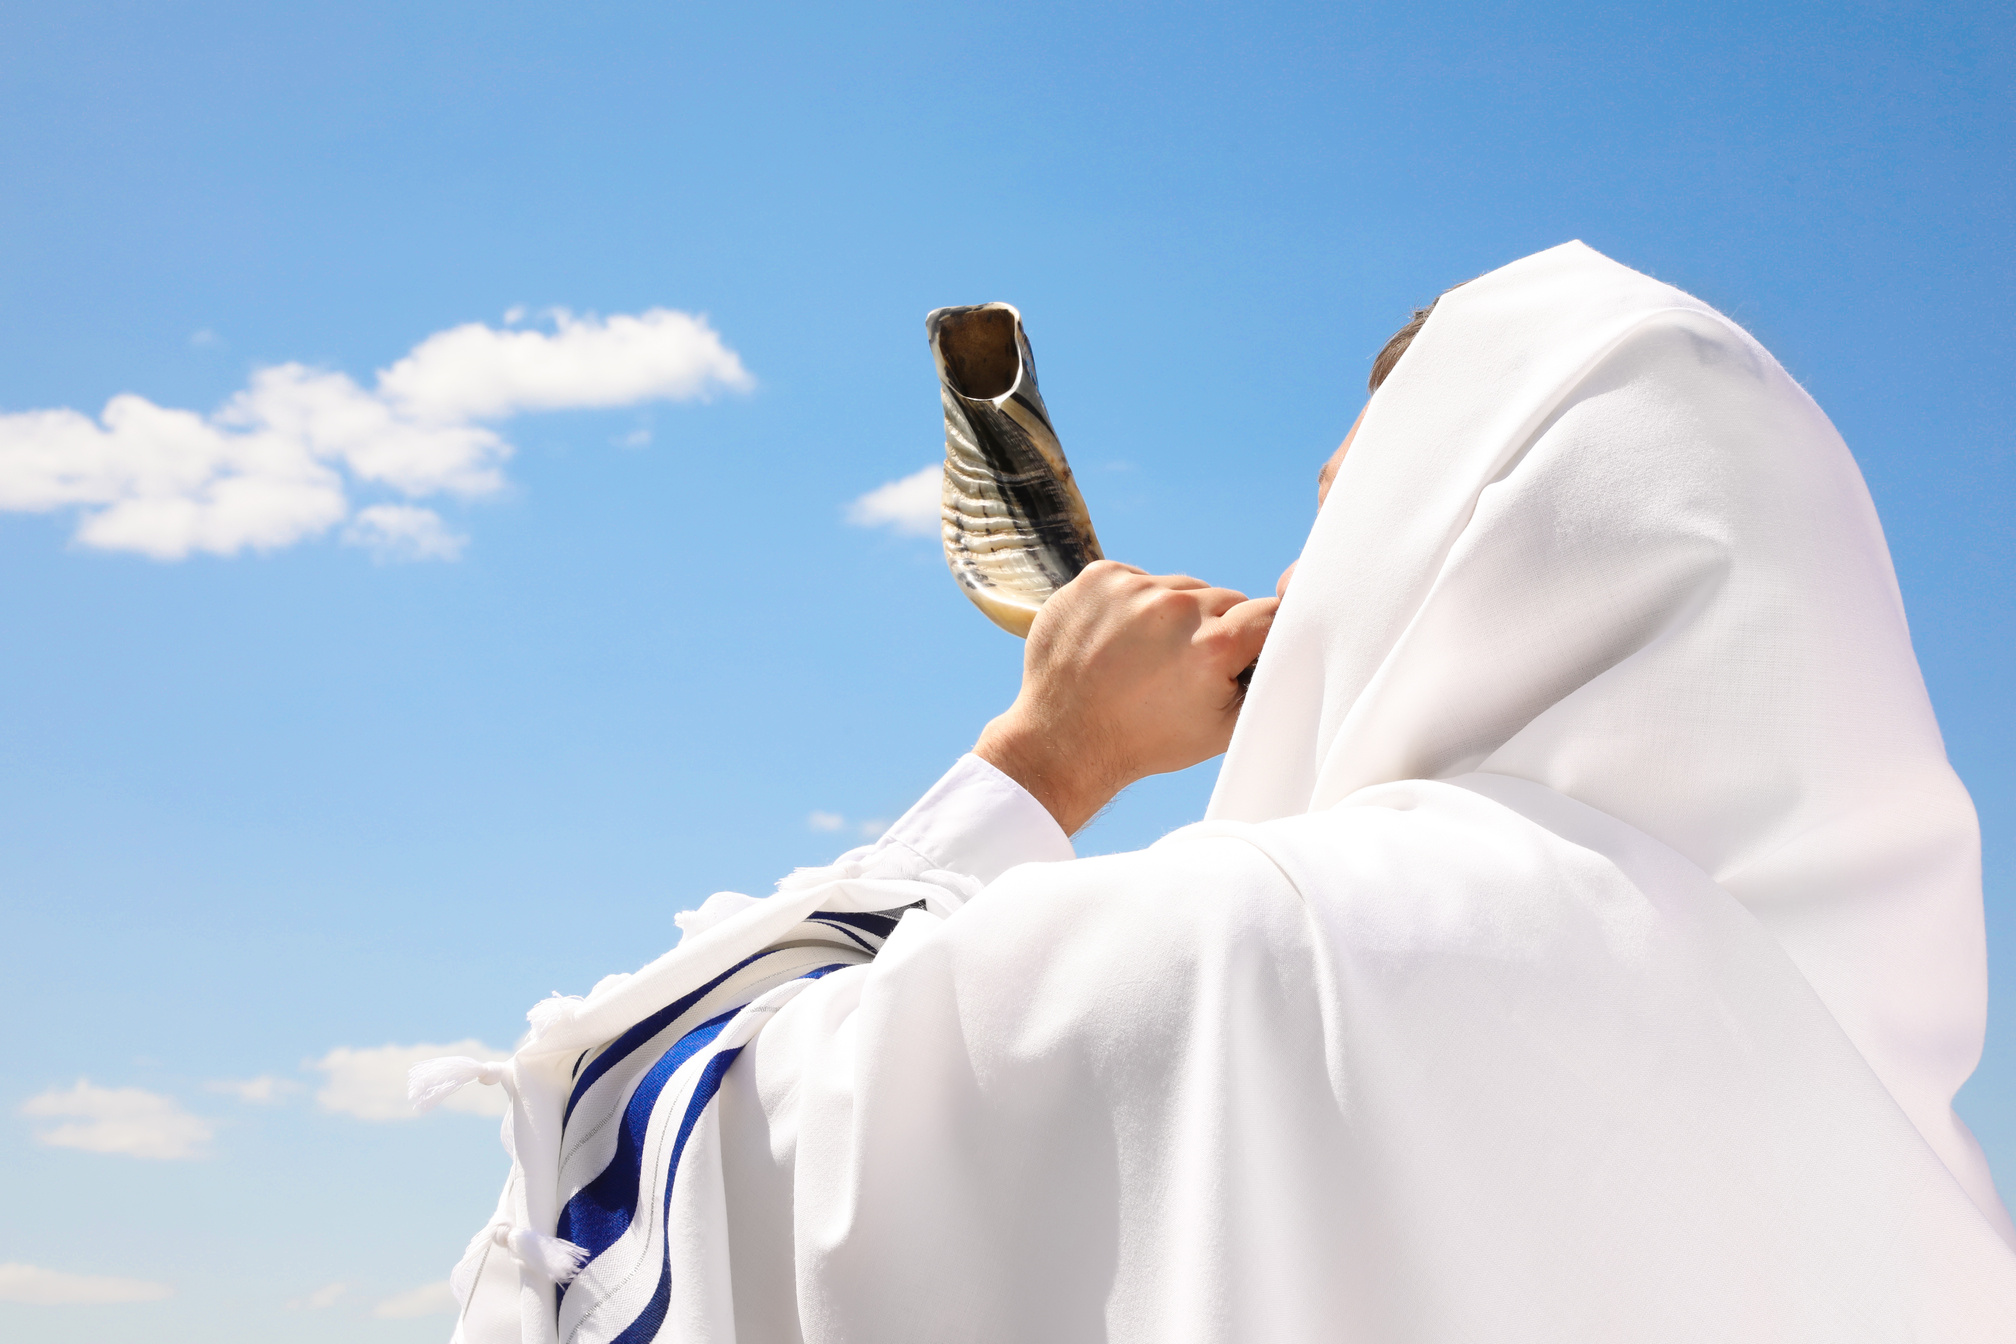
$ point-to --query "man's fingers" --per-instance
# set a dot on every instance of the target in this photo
(1238, 634)
(1218, 601)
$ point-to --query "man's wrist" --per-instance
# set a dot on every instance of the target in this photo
(1055, 774)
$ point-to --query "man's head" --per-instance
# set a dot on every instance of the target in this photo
(1382, 365)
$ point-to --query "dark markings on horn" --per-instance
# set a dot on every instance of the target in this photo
(1016, 528)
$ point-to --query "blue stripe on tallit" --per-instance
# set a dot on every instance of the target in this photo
(645, 1327)
(601, 1212)
(625, 1045)
(878, 924)
(853, 937)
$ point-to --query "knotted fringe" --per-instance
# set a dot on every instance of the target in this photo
(548, 1257)
(429, 1082)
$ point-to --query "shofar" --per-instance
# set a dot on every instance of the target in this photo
(1016, 529)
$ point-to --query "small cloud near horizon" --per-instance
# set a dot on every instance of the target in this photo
(432, 1299)
(36, 1286)
(826, 821)
(265, 1090)
(908, 507)
(128, 1121)
(321, 1299)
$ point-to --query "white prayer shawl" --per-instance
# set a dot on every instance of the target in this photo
(1585, 945)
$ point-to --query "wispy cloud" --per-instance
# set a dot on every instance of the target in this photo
(370, 1083)
(321, 1299)
(908, 506)
(277, 463)
(265, 1090)
(52, 1288)
(125, 1120)
(394, 532)
(872, 828)
(826, 821)
(433, 1299)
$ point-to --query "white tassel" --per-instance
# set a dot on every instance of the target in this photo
(430, 1082)
(548, 1257)
(552, 1011)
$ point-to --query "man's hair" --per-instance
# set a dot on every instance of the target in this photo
(1397, 345)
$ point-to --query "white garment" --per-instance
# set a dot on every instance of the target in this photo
(1585, 944)
(1636, 564)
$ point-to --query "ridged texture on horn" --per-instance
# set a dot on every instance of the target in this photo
(1016, 529)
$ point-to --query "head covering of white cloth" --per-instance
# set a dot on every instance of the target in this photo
(1591, 535)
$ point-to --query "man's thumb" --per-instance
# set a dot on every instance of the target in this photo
(1243, 630)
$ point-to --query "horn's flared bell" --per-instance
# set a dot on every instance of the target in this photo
(1016, 529)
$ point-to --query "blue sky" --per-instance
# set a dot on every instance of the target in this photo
(261, 809)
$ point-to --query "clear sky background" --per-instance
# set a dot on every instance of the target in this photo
(469, 728)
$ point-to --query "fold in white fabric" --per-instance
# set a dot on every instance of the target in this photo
(1584, 945)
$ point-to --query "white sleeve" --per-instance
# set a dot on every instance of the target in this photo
(977, 821)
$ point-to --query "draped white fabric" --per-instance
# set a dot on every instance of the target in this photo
(1591, 535)
(1585, 944)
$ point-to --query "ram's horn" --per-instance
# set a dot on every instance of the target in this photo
(1016, 529)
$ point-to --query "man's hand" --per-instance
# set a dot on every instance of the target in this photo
(1126, 674)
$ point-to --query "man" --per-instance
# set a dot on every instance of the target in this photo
(1584, 942)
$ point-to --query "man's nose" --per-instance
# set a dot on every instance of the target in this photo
(1281, 584)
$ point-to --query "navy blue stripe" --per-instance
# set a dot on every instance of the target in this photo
(595, 1217)
(645, 1328)
(870, 948)
(627, 1044)
(600, 1211)
(879, 925)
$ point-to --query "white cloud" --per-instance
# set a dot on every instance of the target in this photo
(371, 1083)
(872, 830)
(265, 1090)
(52, 1288)
(276, 464)
(909, 506)
(825, 821)
(204, 337)
(404, 532)
(321, 1299)
(474, 372)
(124, 1120)
(433, 1299)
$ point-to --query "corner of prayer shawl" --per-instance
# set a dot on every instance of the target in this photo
(433, 1081)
